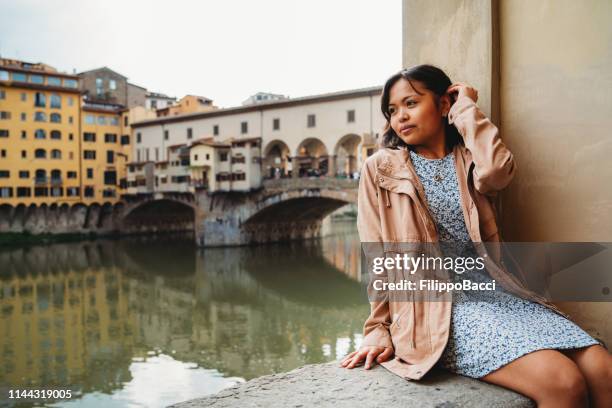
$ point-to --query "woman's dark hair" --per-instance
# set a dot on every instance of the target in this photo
(433, 79)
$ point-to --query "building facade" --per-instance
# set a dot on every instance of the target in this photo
(188, 104)
(233, 165)
(105, 152)
(321, 135)
(57, 147)
(105, 85)
(39, 135)
(154, 101)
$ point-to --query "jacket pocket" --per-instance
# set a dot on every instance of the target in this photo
(402, 328)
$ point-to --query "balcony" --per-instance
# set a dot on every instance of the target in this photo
(40, 181)
(56, 181)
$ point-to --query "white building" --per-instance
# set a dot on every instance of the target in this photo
(140, 177)
(173, 175)
(233, 165)
(154, 100)
(329, 134)
(261, 97)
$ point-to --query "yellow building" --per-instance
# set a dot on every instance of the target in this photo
(188, 104)
(39, 135)
(105, 150)
(55, 146)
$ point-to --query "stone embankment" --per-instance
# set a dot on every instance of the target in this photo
(328, 385)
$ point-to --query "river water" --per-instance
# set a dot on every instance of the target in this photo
(147, 322)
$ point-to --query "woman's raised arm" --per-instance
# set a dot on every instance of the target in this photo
(494, 163)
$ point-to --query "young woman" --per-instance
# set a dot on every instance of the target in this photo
(433, 179)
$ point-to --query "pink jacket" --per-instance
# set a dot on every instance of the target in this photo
(392, 209)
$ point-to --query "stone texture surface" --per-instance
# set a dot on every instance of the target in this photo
(328, 385)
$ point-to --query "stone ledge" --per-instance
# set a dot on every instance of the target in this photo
(328, 385)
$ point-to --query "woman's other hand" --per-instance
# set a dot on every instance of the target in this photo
(370, 353)
(462, 89)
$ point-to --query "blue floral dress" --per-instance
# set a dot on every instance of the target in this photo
(488, 328)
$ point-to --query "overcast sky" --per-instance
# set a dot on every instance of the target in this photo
(225, 50)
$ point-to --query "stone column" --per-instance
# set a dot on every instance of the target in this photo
(295, 167)
(352, 164)
(331, 165)
(315, 162)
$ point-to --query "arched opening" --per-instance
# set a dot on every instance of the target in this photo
(293, 219)
(311, 159)
(296, 210)
(276, 160)
(160, 216)
(347, 155)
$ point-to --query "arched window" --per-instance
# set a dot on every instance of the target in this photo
(56, 154)
(40, 117)
(55, 118)
(40, 134)
(41, 176)
(56, 134)
(40, 153)
(56, 175)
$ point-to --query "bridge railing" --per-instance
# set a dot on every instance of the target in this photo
(307, 182)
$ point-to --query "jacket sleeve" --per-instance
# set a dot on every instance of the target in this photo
(494, 165)
(376, 326)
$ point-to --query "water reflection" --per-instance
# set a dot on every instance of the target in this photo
(113, 317)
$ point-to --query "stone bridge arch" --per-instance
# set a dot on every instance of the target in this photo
(159, 213)
(286, 209)
(295, 214)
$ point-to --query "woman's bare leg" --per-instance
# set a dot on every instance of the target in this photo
(595, 363)
(548, 377)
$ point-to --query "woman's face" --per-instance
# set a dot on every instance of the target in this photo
(415, 117)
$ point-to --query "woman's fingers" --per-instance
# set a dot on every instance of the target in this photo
(348, 358)
(369, 354)
(369, 358)
(463, 89)
(356, 359)
(384, 356)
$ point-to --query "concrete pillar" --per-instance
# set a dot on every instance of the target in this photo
(561, 149)
(459, 36)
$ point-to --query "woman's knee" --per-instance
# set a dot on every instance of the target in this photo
(596, 364)
(567, 384)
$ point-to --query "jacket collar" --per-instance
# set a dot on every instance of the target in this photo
(397, 164)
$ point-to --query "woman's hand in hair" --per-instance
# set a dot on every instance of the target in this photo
(370, 353)
(462, 89)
